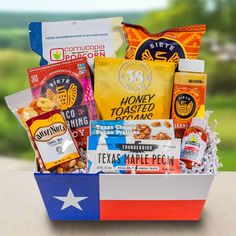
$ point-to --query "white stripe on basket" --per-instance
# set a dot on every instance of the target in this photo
(154, 187)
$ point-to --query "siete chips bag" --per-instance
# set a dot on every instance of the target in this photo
(169, 45)
(68, 82)
(133, 90)
(66, 40)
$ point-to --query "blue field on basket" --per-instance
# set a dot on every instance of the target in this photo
(76, 198)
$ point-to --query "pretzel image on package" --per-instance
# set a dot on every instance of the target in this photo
(169, 45)
(125, 155)
(162, 129)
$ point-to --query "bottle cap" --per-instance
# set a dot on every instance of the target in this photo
(198, 122)
(189, 65)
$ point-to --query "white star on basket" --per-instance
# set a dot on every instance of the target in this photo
(70, 200)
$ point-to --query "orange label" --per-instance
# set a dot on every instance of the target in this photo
(189, 94)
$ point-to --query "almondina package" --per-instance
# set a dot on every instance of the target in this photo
(66, 40)
(125, 155)
(133, 90)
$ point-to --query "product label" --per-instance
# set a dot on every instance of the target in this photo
(135, 76)
(52, 138)
(68, 40)
(193, 148)
(184, 105)
(188, 95)
(163, 49)
(124, 155)
(137, 129)
(67, 88)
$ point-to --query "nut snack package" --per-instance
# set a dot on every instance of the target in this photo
(137, 129)
(66, 40)
(133, 89)
(69, 84)
(125, 155)
(46, 127)
(169, 45)
(52, 138)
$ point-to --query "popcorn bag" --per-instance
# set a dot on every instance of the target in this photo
(115, 152)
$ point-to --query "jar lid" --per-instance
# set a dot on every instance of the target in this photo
(189, 65)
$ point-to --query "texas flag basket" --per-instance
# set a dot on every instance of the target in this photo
(124, 196)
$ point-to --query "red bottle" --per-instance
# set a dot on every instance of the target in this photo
(194, 142)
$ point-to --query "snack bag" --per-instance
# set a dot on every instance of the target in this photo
(169, 45)
(46, 127)
(69, 84)
(66, 40)
(125, 155)
(52, 138)
(133, 90)
(137, 129)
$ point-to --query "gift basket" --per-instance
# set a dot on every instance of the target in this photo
(118, 138)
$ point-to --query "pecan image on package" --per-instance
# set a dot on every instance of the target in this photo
(161, 136)
(143, 131)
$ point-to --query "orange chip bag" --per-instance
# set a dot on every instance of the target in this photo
(169, 45)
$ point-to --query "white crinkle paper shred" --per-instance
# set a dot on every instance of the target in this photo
(210, 162)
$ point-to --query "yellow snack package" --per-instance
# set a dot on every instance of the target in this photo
(133, 89)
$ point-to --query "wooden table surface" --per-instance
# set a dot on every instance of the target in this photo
(22, 211)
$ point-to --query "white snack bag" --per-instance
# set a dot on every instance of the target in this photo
(66, 40)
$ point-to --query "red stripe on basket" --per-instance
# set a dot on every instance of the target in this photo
(151, 209)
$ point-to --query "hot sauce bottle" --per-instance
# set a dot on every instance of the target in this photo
(194, 142)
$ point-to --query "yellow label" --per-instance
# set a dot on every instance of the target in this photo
(134, 76)
(53, 139)
(45, 129)
(133, 89)
(190, 79)
(66, 158)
